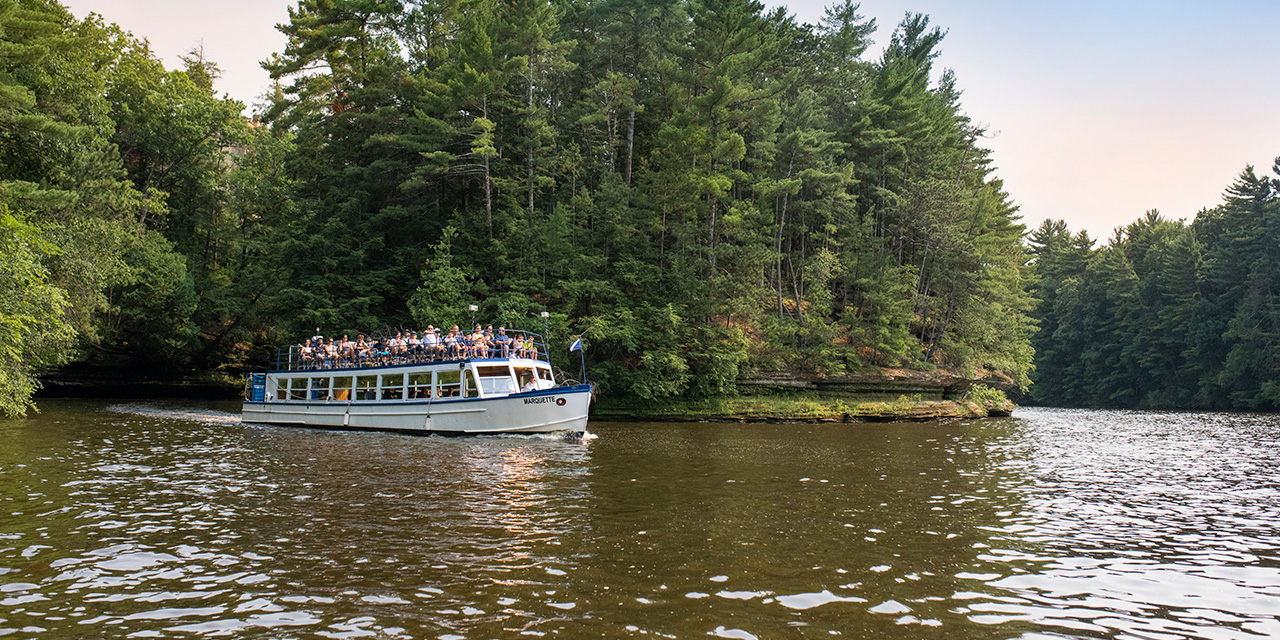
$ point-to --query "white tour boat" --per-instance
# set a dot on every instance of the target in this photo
(468, 392)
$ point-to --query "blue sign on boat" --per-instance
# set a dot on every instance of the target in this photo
(257, 387)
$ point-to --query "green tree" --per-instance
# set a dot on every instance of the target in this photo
(33, 333)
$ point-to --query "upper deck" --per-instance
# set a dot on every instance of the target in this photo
(386, 369)
(441, 380)
(379, 353)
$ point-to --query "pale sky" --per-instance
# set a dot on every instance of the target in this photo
(1099, 110)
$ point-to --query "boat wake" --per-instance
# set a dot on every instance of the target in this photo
(552, 436)
(204, 416)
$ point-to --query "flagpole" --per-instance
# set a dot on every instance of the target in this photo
(546, 336)
(582, 357)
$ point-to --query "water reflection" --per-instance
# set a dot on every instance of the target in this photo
(151, 521)
(1143, 524)
(812, 529)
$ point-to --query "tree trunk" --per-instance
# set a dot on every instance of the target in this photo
(488, 183)
(711, 236)
(782, 217)
(529, 155)
(662, 241)
(631, 136)
(782, 221)
(951, 310)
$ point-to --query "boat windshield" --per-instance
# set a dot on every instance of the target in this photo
(496, 381)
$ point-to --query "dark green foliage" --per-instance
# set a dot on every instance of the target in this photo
(1166, 315)
(33, 331)
(695, 189)
(115, 171)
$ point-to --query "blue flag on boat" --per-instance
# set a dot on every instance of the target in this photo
(576, 346)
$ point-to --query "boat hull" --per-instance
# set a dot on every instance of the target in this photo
(546, 411)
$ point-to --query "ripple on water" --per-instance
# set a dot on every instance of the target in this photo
(736, 634)
(1137, 523)
(155, 521)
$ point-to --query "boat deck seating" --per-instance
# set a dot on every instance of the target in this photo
(292, 358)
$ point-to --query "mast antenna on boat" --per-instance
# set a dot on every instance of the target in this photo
(546, 336)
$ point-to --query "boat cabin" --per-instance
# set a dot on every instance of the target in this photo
(443, 381)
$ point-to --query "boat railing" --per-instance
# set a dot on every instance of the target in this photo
(292, 358)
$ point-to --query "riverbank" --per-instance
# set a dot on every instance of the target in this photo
(803, 407)
(872, 395)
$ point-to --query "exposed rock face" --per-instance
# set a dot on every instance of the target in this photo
(929, 385)
(929, 410)
(901, 410)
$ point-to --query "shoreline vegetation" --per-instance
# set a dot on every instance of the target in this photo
(802, 407)
(875, 395)
(695, 191)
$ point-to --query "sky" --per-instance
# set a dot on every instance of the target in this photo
(1097, 111)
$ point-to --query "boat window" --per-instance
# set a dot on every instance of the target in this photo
(420, 385)
(497, 386)
(496, 381)
(298, 389)
(319, 388)
(545, 374)
(342, 388)
(524, 375)
(366, 387)
(393, 386)
(448, 384)
(471, 390)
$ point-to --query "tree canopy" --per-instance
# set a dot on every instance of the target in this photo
(696, 188)
(1166, 314)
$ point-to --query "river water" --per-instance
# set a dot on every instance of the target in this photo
(172, 520)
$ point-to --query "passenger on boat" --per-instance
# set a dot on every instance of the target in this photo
(502, 343)
(454, 343)
(384, 351)
(346, 351)
(330, 354)
(308, 354)
(431, 342)
(488, 340)
(361, 350)
(479, 346)
(414, 345)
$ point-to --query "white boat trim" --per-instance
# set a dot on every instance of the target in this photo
(290, 397)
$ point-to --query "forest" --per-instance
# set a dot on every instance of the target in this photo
(1167, 314)
(696, 189)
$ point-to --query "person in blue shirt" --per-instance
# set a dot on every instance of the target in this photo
(502, 343)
